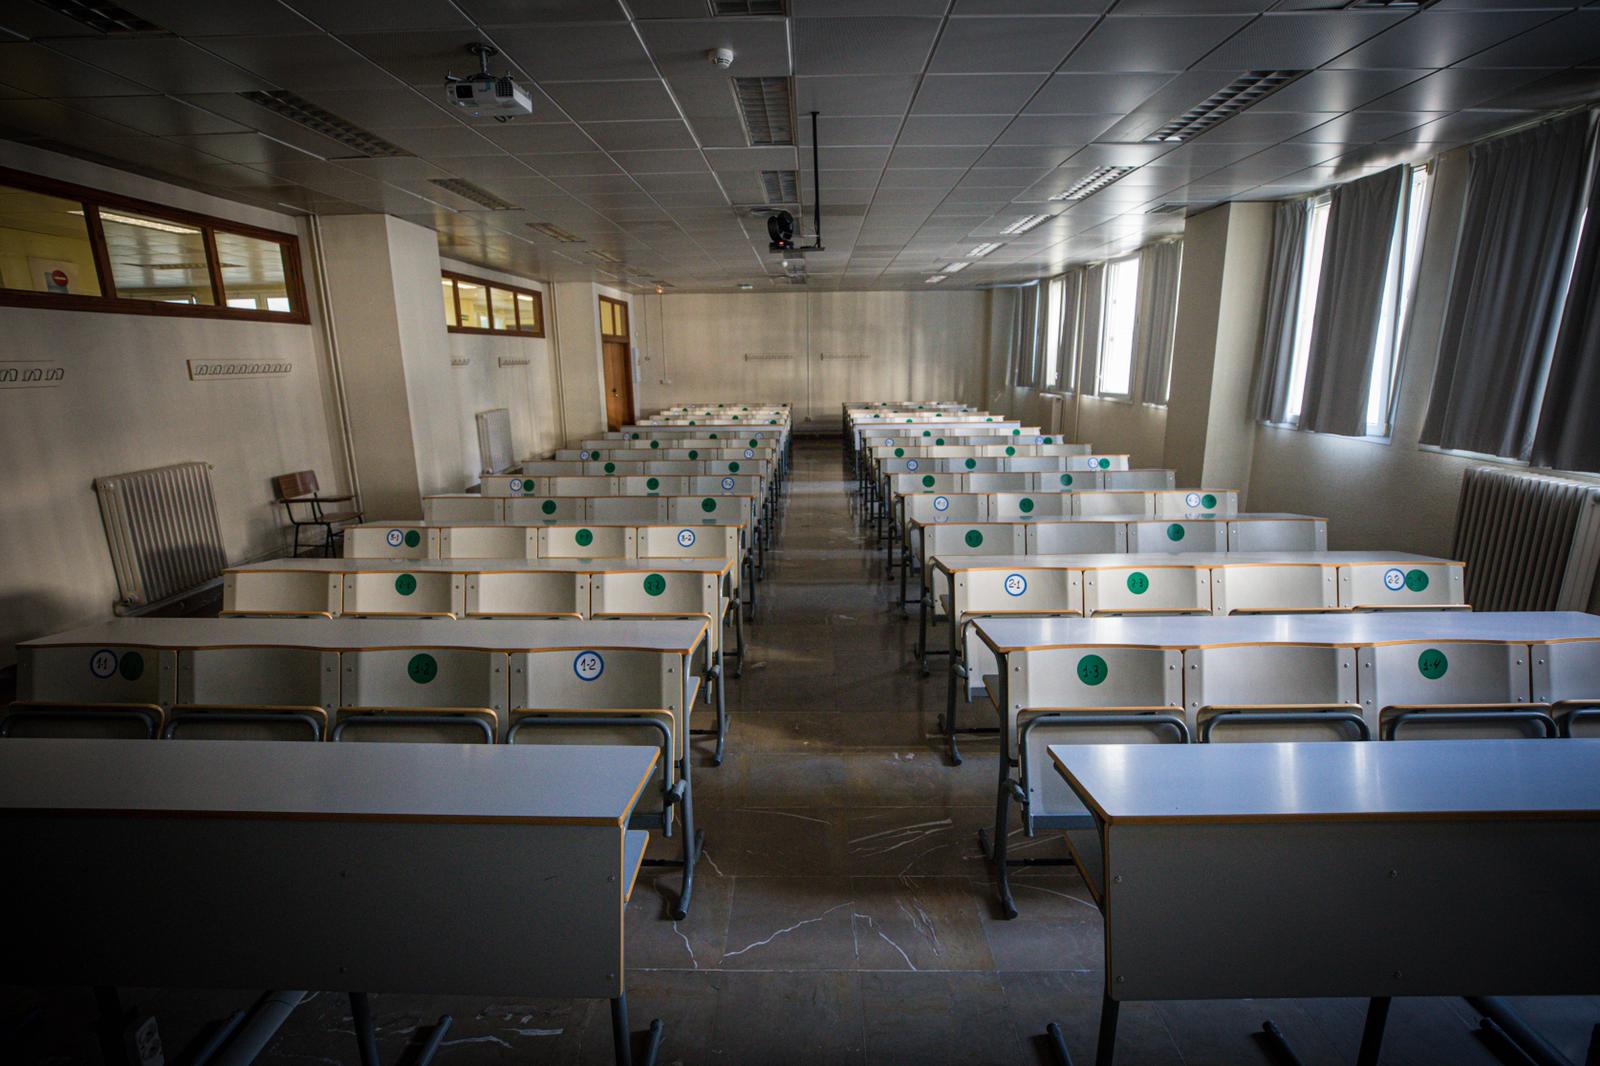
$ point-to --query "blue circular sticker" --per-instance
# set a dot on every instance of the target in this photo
(1016, 584)
(889, 441)
(941, 503)
(394, 538)
(103, 663)
(685, 538)
(749, 453)
(1394, 579)
(728, 483)
(911, 465)
(588, 665)
(583, 455)
(516, 486)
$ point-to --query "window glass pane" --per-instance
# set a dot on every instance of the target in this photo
(1306, 308)
(505, 309)
(253, 270)
(154, 259)
(1116, 335)
(1405, 253)
(1052, 335)
(449, 289)
(44, 244)
(527, 314)
(474, 305)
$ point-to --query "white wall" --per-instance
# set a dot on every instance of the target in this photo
(917, 345)
(126, 404)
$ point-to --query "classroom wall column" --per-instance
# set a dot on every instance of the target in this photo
(578, 358)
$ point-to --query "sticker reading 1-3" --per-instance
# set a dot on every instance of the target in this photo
(588, 665)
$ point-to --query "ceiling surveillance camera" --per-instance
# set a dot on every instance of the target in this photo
(722, 57)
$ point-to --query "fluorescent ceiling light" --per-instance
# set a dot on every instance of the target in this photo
(145, 223)
(983, 249)
(1247, 89)
(1093, 182)
(1023, 225)
(935, 279)
(956, 268)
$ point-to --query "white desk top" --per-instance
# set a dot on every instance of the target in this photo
(1404, 781)
(1152, 561)
(372, 634)
(1343, 630)
(528, 783)
(1253, 516)
(484, 566)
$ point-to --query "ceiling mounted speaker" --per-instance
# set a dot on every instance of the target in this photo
(780, 228)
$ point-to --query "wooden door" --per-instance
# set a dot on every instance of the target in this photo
(618, 361)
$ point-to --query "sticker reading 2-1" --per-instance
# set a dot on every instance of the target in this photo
(588, 665)
(685, 538)
(1016, 584)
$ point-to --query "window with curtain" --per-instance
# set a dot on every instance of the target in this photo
(1379, 245)
(1156, 320)
(1067, 343)
(1117, 308)
(1512, 378)
(1027, 336)
(1052, 334)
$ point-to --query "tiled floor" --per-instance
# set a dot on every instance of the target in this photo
(842, 912)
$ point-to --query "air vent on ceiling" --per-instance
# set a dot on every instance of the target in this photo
(604, 257)
(1389, 5)
(748, 7)
(1248, 88)
(468, 191)
(106, 18)
(555, 233)
(781, 186)
(299, 109)
(1093, 182)
(767, 107)
(1170, 208)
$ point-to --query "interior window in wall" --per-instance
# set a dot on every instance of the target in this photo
(476, 305)
(1116, 329)
(70, 248)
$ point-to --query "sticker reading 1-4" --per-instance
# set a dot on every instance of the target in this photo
(394, 538)
(588, 665)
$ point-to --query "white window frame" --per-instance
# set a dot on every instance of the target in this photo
(1118, 311)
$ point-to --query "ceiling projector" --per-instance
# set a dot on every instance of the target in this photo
(484, 94)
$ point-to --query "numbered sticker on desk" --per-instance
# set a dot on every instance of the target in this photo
(1192, 500)
(103, 663)
(749, 453)
(1394, 579)
(394, 538)
(585, 455)
(1016, 584)
(941, 503)
(685, 538)
(727, 484)
(911, 466)
(588, 665)
(1038, 440)
(889, 441)
(516, 486)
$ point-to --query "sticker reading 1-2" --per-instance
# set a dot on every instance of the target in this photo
(588, 665)
(911, 466)
(685, 538)
(655, 584)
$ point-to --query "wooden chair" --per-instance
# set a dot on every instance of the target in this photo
(299, 490)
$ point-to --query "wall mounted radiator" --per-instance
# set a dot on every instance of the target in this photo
(494, 441)
(162, 528)
(1530, 542)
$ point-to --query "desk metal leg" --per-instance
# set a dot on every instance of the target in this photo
(693, 839)
(622, 1036)
(1058, 1045)
(1278, 1047)
(367, 1035)
(1105, 1048)
(1372, 1031)
(996, 848)
(1527, 1040)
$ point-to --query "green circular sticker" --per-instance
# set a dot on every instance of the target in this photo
(422, 668)
(611, 468)
(1025, 505)
(694, 453)
(939, 441)
(1092, 670)
(1049, 440)
(1208, 501)
(1432, 664)
(653, 484)
(925, 433)
(927, 481)
(736, 418)
(713, 436)
(708, 505)
(655, 584)
(584, 538)
(548, 507)
(1105, 464)
(1066, 479)
(974, 538)
(1010, 450)
(131, 666)
(655, 444)
(908, 420)
(772, 421)
(636, 436)
(971, 463)
(413, 538)
(733, 468)
(1416, 581)
(988, 420)
(1175, 532)
(405, 584)
(899, 453)
(1138, 583)
(754, 442)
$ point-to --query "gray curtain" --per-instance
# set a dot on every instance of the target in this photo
(1520, 219)
(1094, 292)
(1355, 261)
(1067, 360)
(1155, 318)
(1270, 391)
(1568, 437)
(1027, 336)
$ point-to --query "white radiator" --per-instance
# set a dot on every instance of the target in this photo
(1530, 542)
(494, 441)
(161, 526)
(1050, 419)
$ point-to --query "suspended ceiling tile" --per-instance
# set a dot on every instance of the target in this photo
(575, 53)
(201, 18)
(160, 116)
(1566, 41)
(1301, 41)
(1455, 89)
(1153, 43)
(1094, 94)
(303, 62)
(917, 156)
(1440, 38)
(640, 135)
(666, 161)
(975, 94)
(1337, 90)
(572, 163)
(484, 168)
(42, 71)
(862, 45)
(536, 12)
(846, 132)
(423, 58)
(351, 16)
(166, 64)
(953, 129)
(539, 138)
(871, 94)
(1007, 45)
(587, 101)
(455, 140)
(1047, 130)
(1359, 127)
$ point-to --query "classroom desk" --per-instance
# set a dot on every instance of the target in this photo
(426, 869)
(1344, 675)
(1321, 870)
